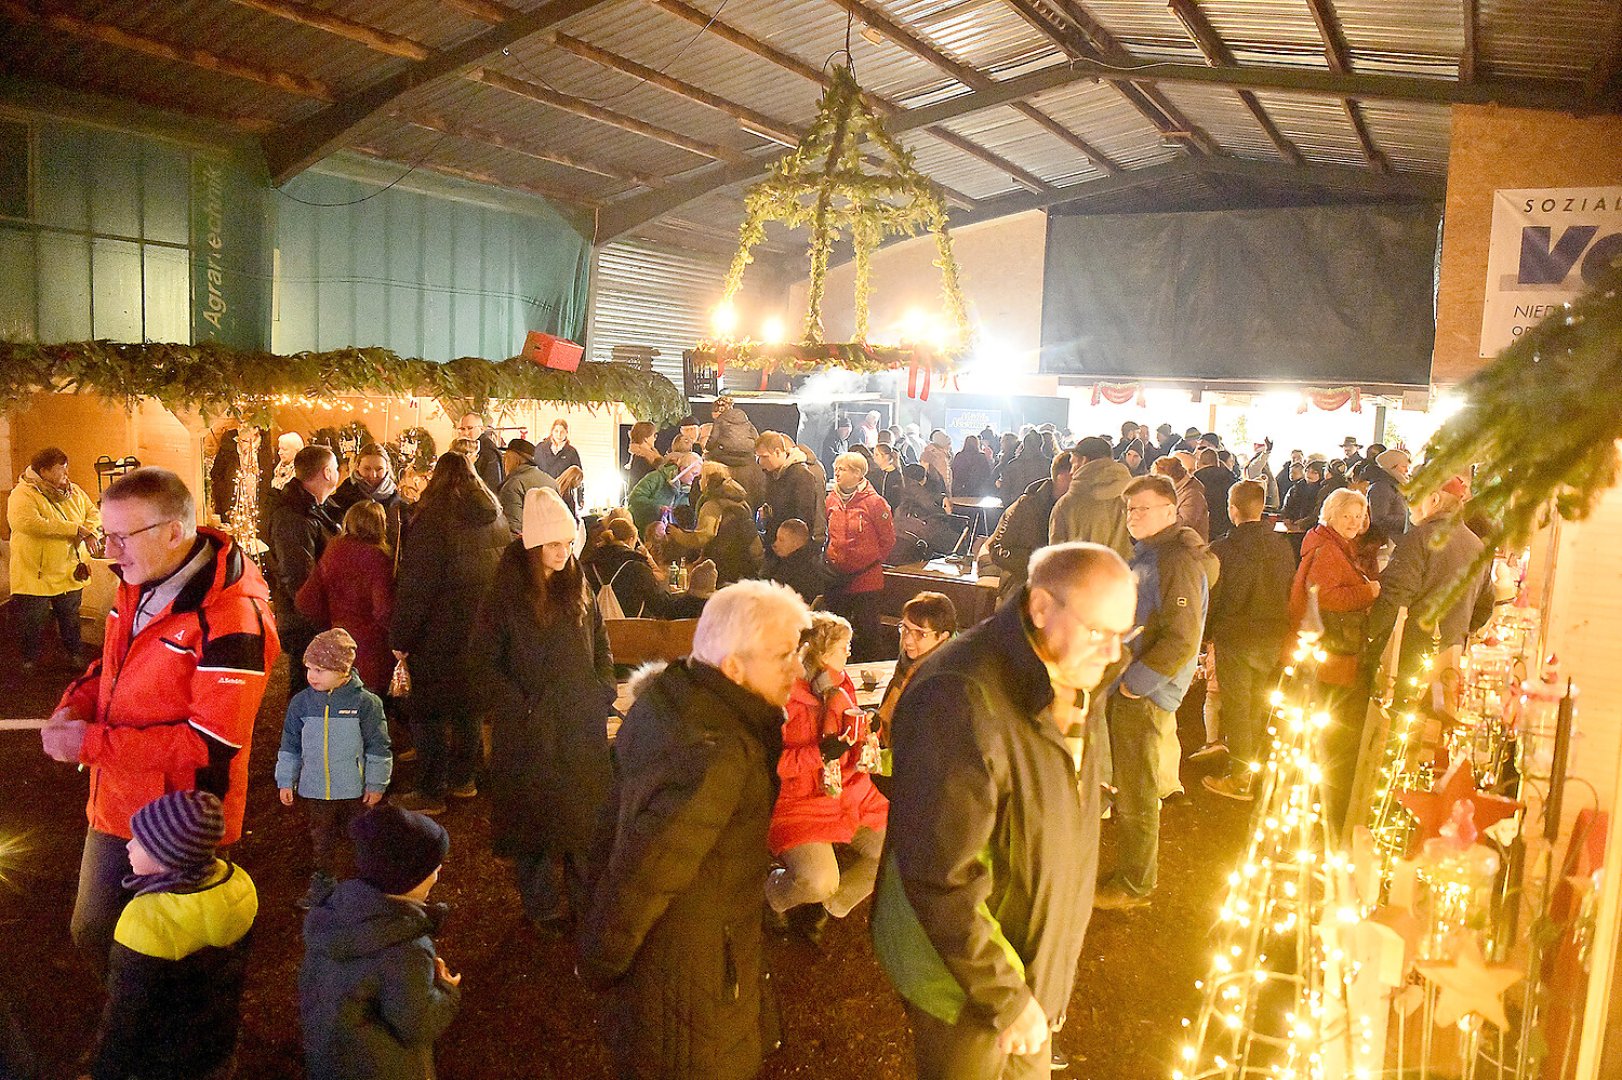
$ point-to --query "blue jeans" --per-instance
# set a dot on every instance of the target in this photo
(1247, 673)
(101, 897)
(1134, 734)
(34, 611)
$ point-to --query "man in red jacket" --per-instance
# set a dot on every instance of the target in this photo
(171, 703)
(861, 533)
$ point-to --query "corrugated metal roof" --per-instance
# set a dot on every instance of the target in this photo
(1555, 39)
(1025, 143)
(1414, 37)
(1414, 137)
(1100, 115)
(1146, 28)
(1318, 126)
(1267, 32)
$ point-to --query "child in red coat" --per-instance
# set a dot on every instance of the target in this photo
(352, 588)
(807, 821)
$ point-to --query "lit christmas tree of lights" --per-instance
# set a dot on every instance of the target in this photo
(1275, 1001)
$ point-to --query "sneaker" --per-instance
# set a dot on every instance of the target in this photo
(1210, 751)
(422, 803)
(1233, 786)
(321, 886)
(469, 790)
(1059, 1063)
(1111, 897)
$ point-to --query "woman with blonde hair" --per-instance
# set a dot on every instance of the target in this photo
(352, 587)
(827, 798)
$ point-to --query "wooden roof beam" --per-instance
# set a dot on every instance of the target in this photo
(1339, 58)
(300, 145)
(545, 191)
(629, 213)
(486, 11)
(973, 79)
(591, 111)
(105, 33)
(1470, 53)
(733, 35)
(317, 19)
(470, 133)
(1217, 54)
(1069, 34)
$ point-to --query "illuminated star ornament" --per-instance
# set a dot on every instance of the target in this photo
(1433, 809)
(1469, 985)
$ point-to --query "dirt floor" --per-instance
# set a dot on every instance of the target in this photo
(523, 1013)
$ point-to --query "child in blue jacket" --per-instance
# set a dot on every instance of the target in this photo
(335, 752)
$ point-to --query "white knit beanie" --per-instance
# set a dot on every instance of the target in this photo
(546, 518)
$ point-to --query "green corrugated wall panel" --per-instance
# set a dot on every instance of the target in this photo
(19, 274)
(165, 193)
(64, 287)
(116, 300)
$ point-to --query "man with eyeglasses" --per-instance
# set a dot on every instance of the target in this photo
(188, 645)
(1174, 570)
(985, 885)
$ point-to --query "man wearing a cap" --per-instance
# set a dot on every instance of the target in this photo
(1388, 509)
(523, 475)
(188, 644)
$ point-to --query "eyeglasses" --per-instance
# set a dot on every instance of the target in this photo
(1134, 511)
(910, 631)
(123, 539)
(1094, 635)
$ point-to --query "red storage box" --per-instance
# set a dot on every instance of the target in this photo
(552, 352)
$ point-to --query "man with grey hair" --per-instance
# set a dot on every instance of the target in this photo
(488, 464)
(675, 932)
(188, 644)
(986, 883)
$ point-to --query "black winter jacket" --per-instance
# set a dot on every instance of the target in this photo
(993, 837)
(804, 572)
(369, 1000)
(675, 930)
(795, 493)
(445, 570)
(1216, 481)
(395, 510)
(1250, 600)
(551, 691)
(299, 531)
(553, 463)
(1416, 577)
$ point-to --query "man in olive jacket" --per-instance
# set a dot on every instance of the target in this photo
(675, 932)
(986, 882)
(1091, 509)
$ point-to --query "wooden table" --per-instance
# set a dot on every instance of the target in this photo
(975, 597)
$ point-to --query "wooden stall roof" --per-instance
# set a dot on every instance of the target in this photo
(653, 113)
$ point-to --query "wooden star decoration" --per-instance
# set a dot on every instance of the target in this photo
(1431, 809)
(1469, 985)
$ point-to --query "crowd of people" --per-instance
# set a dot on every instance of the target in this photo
(746, 787)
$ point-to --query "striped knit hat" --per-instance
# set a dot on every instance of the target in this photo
(181, 829)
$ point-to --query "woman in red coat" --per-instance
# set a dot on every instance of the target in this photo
(861, 533)
(808, 821)
(1332, 562)
(353, 587)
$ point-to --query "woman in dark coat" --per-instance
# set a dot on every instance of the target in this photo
(971, 472)
(451, 550)
(551, 680)
(353, 587)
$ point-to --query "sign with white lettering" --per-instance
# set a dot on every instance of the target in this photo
(227, 256)
(1548, 245)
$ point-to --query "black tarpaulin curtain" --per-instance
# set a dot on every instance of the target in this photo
(1321, 295)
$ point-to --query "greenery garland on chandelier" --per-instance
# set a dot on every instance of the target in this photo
(1541, 426)
(826, 186)
(218, 380)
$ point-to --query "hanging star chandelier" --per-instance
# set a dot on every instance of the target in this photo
(833, 186)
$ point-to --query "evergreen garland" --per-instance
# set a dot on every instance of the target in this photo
(1540, 427)
(218, 380)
